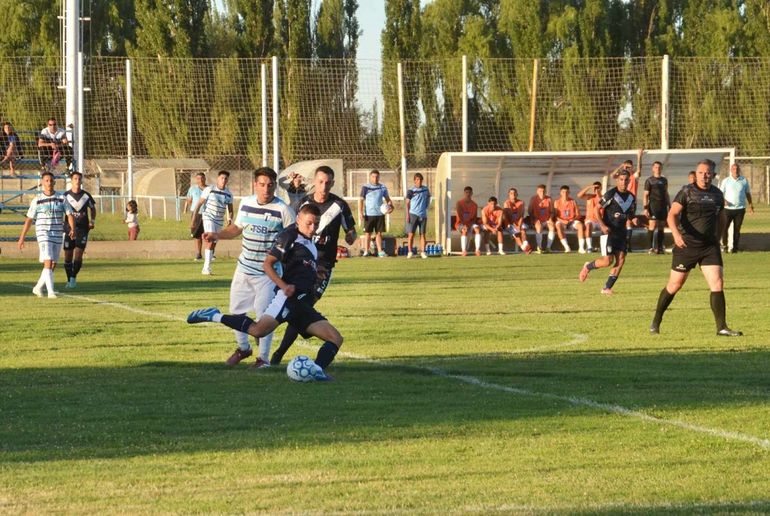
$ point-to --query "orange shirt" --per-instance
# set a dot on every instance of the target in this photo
(541, 208)
(515, 210)
(633, 184)
(591, 204)
(467, 212)
(566, 211)
(492, 214)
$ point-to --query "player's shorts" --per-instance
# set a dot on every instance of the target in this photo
(212, 226)
(617, 243)
(296, 310)
(197, 227)
(658, 211)
(322, 280)
(48, 251)
(684, 259)
(80, 241)
(461, 227)
(374, 223)
(250, 293)
(592, 222)
(415, 222)
(567, 225)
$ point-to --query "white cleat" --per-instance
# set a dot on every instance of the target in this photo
(206, 272)
(423, 256)
(38, 291)
(52, 295)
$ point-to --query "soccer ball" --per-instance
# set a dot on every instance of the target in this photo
(386, 208)
(302, 369)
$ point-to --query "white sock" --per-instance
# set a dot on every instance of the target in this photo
(464, 242)
(581, 244)
(564, 244)
(264, 347)
(524, 246)
(603, 244)
(539, 240)
(48, 278)
(207, 258)
(242, 339)
(551, 235)
(588, 242)
(477, 241)
(217, 318)
(41, 279)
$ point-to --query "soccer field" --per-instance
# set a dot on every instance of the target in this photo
(465, 385)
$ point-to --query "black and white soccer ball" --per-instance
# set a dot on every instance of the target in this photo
(302, 369)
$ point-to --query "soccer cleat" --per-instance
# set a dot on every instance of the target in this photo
(366, 253)
(567, 249)
(206, 271)
(72, 283)
(465, 253)
(727, 332)
(409, 255)
(52, 295)
(238, 355)
(528, 250)
(489, 253)
(477, 253)
(198, 258)
(202, 315)
(501, 252)
(546, 250)
(581, 251)
(423, 255)
(590, 250)
(321, 376)
(38, 291)
(259, 364)
(607, 291)
(381, 254)
(651, 251)
(584, 272)
(539, 250)
(654, 328)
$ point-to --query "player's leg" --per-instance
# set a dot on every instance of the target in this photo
(551, 233)
(589, 228)
(580, 233)
(243, 290)
(421, 226)
(332, 341)
(464, 239)
(560, 227)
(77, 260)
(714, 275)
(209, 226)
(410, 242)
(500, 250)
(737, 223)
(620, 259)
(651, 237)
(48, 266)
(599, 263)
(477, 238)
(265, 297)
(676, 281)
(69, 251)
(522, 241)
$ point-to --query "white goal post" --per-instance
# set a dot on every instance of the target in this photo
(493, 173)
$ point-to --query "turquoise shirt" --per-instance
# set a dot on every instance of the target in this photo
(735, 190)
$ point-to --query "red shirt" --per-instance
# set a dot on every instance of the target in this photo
(566, 211)
(541, 208)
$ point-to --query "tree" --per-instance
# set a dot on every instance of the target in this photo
(254, 26)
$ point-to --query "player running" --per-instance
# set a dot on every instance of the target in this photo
(297, 254)
(81, 204)
(619, 206)
(335, 214)
(214, 202)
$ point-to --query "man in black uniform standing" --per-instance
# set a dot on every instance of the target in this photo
(696, 218)
(81, 203)
(335, 214)
(656, 206)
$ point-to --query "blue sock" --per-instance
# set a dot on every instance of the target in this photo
(610, 281)
(326, 354)
(237, 322)
(591, 266)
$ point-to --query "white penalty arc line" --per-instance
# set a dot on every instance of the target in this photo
(471, 380)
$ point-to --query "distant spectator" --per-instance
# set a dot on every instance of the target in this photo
(417, 202)
(492, 219)
(295, 185)
(568, 217)
(514, 211)
(132, 220)
(372, 196)
(191, 202)
(10, 147)
(691, 178)
(53, 145)
(540, 214)
(591, 194)
(737, 193)
(467, 219)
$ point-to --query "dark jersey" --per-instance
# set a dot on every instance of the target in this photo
(335, 213)
(618, 208)
(657, 188)
(298, 257)
(699, 221)
(80, 202)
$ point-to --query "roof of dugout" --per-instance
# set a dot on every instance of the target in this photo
(492, 173)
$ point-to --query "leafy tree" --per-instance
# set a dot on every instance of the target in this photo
(254, 26)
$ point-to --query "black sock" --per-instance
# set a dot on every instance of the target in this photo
(610, 281)
(664, 299)
(718, 307)
(651, 238)
(76, 265)
(661, 238)
(238, 322)
(629, 234)
(288, 339)
(68, 269)
(326, 354)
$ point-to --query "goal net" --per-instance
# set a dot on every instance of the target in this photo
(493, 173)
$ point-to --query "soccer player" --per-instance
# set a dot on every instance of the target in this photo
(417, 202)
(541, 213)
(467, 218)
(737, 192)
(372, 195)
(214, 202)
(191, 201)
(592, 194)
(619, 207)
(81, 204)
(695, 218)
(632, 186)
(260, 218)
(656, 204)
(335, 214)
(48, 211)
(568, 217)
(514, 211)
(297, 254)
(492, 220)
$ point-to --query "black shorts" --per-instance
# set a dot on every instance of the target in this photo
(617, 243)
(374, 223)
(80, 241)
(197, 227)
(297, 310)
(415, 222)
(658, 211)
(684, 259)
(322, 280)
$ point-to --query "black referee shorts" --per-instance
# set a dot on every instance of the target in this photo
(658, 211)
(684, 259)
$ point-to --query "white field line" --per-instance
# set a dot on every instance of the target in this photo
(572, 400)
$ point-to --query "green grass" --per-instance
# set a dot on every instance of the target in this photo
(465, 385)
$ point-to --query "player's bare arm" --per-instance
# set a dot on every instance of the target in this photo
(271, 273)
(227, 233)
(24, 231)
(673, 224)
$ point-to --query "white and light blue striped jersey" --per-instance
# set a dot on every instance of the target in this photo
(373, 196)
(48, 212)
(260, 224)
(215, 203)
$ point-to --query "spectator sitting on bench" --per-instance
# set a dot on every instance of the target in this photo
(10, 147)
(53, 145)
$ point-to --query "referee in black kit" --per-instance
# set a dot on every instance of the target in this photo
(696, 218)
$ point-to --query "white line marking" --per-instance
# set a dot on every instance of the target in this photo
(573, 400)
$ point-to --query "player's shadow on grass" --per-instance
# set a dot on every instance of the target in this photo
(165, 407)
